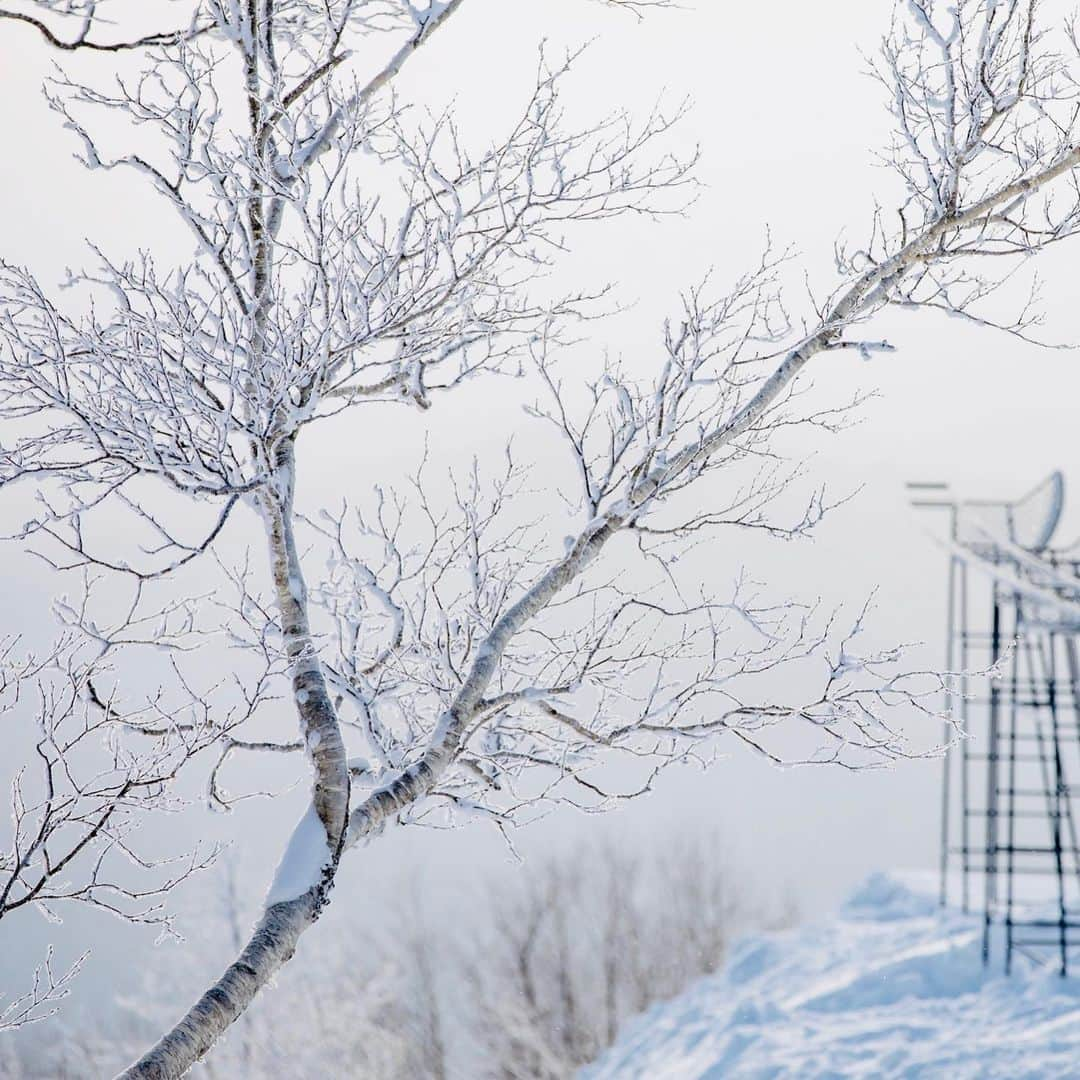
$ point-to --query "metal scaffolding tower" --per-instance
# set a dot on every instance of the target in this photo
(1011, 790)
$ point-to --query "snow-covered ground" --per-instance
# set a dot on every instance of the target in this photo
(893, 987)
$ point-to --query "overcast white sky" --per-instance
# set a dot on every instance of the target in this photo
(787, 123)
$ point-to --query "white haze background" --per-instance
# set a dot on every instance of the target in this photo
(787, 122)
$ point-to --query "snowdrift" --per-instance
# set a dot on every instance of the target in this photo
(893, 987)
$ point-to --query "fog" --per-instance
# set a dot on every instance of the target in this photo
(788, 125)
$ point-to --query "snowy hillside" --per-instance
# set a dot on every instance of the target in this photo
(892, 987)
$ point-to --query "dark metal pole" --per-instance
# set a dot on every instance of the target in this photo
(990, 863)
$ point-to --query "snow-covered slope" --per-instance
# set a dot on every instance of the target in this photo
(891, 988)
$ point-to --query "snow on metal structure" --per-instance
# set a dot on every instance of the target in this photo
(1011, 791)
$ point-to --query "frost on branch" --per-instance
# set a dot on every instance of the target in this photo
(644, 673)
(47, 990)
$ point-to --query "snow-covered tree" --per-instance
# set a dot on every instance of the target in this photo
(597, 936)
(477, 648)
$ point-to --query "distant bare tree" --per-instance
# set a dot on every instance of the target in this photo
(593, 939)
(487, 648)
